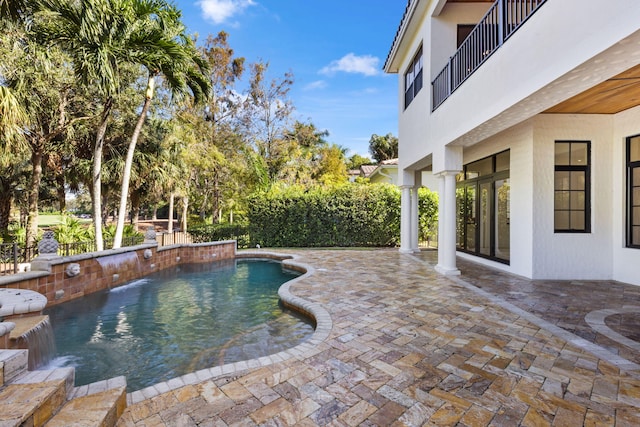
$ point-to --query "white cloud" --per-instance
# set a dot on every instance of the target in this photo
(318, 84)
(220, 11)
(351, 63)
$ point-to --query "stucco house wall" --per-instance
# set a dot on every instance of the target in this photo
(563, 49)
(573, 255)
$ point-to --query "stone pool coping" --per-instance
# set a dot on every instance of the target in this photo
(20, 301)
(314, 311)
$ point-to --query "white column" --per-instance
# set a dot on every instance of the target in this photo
(447, 224)
(405, 219)
(414, 219)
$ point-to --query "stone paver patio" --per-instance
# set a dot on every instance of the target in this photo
(402, 345)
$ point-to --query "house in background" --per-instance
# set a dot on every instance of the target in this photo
(384, 172)
(387, 172)
(527, 112)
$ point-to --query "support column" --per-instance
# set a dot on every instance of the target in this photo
(405, 219)
(415, 218)
(447, 224)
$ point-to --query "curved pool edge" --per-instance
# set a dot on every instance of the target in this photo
(309, 309)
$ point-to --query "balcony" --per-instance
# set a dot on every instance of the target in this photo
(500, 22)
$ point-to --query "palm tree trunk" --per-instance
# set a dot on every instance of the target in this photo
(62, 197)
(135, 208)
(170, 223)
(97, 170)
(185, 209)
(36, 177)
(5, 208)
(126, 175)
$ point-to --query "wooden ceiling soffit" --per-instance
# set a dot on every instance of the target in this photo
(612, 96)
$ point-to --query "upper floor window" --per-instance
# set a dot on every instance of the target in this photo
(572, 204)
(413, 79)
(633, 192)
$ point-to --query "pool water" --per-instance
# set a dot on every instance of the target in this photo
(177, 321)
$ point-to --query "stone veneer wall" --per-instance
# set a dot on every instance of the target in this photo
(111, 268)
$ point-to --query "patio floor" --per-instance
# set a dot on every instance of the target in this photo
(407, 346)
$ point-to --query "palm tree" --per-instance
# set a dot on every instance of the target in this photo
(15, 10)
(97, 36)
(12, 148)
(12, 120)
(164, 50)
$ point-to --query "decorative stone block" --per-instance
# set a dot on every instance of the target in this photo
(72, 270)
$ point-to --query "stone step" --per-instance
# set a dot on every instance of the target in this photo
(99, 409)
(14, 363)
(31, 404)
(43, 376)
(31, 397)
(99, 386)
(48, 397)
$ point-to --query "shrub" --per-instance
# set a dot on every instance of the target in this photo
(217, 232)
(349, 215)
(428, 208)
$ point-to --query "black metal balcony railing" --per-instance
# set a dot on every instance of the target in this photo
(498, 24)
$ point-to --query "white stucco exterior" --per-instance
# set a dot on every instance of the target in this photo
(563, 49)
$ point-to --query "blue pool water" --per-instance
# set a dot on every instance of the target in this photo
(177, 321)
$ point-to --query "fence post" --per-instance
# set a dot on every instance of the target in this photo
(15, 257)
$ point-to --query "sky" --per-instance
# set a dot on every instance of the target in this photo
(335, 49)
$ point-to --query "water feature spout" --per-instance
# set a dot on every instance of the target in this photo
(114, 265)
(35, 334)
(31, 330)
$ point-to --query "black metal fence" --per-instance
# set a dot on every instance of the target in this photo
(15, 257)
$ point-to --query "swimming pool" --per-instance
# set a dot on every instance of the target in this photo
(177, 321)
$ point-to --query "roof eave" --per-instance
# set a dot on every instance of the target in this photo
(392, 63)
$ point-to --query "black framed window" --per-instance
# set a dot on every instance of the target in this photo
(572, 201)
(413, 79)
(633, 192)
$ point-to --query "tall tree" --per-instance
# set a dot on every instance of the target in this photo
(332, 169)
(306, 145)
(356, 160)
(383, 147)
(222, 107)
(99, 36)
(159, 43)
(267, 117)
(41, 82)
(13, 152)
(214, 152)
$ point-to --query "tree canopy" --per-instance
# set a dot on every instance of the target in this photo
(383, 147)
(112, 101)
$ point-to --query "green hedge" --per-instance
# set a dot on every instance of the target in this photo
(346, 216)
(351, 215)
(217, 232)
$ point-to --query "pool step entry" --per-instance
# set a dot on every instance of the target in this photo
(48, 397)
(98, 404)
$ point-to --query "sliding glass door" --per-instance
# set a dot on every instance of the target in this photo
(483, 208)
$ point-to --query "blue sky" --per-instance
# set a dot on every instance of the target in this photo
(334, 48)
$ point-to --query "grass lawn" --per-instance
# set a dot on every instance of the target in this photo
(48, 220)
(51, 220)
